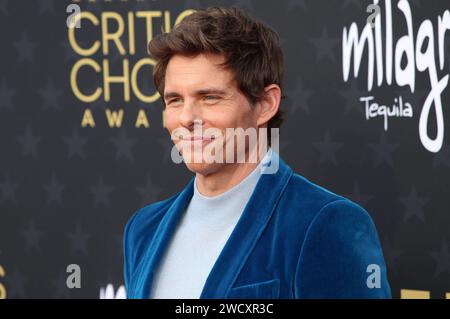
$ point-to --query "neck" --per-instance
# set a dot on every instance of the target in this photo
(225, 178)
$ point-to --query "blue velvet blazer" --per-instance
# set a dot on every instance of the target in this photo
(294, 239)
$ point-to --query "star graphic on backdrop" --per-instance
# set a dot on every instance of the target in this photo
(32, 237)
(383, 151)
(29, 143)
(50, 95)
(299, 97)
(325, 46)
(327, 149)
(101, 193)
(79, 240)
(414, 204)
(442, 157)
(352, 96)
(54, 191)
(353, 2)
(46, 6)
(4, 6)
(60, 284)
(15, 284)
(75, 145)
(390, 254)
(123, 145)
(6, 96)
(358, 197)
(24, 48)
(148, 192)
(8, 190)
(442, 259)
(297, 4)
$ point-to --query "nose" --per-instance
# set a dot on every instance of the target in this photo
(189, 115)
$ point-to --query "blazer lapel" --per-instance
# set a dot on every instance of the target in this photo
(249, 228)
(251, 224)
(159, 242)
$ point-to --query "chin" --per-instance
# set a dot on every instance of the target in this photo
(203, 168)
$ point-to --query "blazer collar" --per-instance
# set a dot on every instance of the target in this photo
(243, 238)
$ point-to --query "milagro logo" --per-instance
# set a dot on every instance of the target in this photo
(418, 50)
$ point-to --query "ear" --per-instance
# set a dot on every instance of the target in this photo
(269, 104)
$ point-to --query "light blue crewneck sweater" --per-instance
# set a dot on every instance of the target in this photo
(200, 237)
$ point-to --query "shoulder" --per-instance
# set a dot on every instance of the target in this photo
(148, 215)
(323, 200)
(340, 242)
(329, 214)
(300, 185)
(138, 233)
(141, 226)
(311, 202)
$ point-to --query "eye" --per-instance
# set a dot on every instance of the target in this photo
(211, 97)
(174, 100)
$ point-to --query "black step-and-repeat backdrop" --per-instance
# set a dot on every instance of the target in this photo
(83, 144)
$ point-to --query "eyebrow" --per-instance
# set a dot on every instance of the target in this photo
(200, 92)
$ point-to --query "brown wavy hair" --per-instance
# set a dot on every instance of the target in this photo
(251, 49)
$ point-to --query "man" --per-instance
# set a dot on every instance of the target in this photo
(240, 229)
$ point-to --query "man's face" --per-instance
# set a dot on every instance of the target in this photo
(198, 89)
